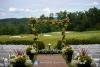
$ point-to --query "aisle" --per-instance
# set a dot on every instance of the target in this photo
(50, 61)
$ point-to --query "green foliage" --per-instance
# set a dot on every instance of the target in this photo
(24, 42)
(76, 41)
(59, 45)
(28, 50)
(61, 15)
(40, 45)
(80, 21)
(16, 42)
(82, 41)
(86, 37)
(19, 61)
(13, 26)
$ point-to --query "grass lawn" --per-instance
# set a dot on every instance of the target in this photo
(53, 37)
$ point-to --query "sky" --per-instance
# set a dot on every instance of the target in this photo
(28, 8)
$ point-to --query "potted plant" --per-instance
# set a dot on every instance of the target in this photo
(83, 60)
(20, 60)
(31, 52)
(67, 53)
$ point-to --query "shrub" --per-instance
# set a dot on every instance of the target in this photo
(40, 44)
(59, 45)
(76, 41)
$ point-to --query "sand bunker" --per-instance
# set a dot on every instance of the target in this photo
(15, 37)
(47, 35)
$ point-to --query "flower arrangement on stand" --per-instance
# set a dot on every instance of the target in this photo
(31, 52)
(68, 53)
(52, 51)
(20, 60)
(83, 59)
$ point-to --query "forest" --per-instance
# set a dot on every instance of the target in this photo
(79, 21)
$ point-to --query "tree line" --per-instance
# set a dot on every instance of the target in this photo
(79, 21)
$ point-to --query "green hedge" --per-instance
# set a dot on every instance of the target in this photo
(76, 41)
(40, 44)
(83, 41)
(17, 42)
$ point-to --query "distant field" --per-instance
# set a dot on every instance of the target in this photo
(54, 36)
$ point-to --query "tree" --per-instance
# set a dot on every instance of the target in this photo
(61, 15)
(51, 16)
(42, 17)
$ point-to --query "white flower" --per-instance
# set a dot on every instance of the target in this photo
(77, 54)
(33, 51)
(28, 62)
(81, 62)
(78, 58)
(85, 61)
(63, 50)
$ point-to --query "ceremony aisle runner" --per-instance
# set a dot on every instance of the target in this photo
(50, 60)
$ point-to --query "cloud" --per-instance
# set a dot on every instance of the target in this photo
(46, 10)
(92, 4)
(28, 10)
(85, 4)
(1, 9)
(95, 3)
(13, 9)
(2, 13)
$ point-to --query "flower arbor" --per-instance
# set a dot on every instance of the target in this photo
(64, 24)
(32, 24)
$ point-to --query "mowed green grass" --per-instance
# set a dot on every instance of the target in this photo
(53, 37)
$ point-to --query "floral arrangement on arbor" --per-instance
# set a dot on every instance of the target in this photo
(68, 53)
(52, 51)
(31, 52)
(83, 59)
(20, 60)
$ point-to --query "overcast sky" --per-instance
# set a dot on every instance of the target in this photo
(27, 8)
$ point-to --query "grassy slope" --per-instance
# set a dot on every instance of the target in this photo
(55, 36)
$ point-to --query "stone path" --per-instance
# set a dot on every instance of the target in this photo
(50, 61)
